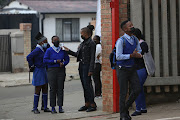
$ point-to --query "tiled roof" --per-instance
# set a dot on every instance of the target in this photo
(62, 6)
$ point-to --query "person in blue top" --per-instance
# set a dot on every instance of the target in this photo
(127, 48)
(142, 73)
(56, 59)
(40, 81)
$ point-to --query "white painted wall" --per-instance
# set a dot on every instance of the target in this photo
(50, 26)
(16, 4)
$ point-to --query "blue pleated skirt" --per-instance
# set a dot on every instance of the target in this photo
(39, 77)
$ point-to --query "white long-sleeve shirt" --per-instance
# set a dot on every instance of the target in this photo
(98, 51)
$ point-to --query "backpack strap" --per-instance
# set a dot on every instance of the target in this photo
(124, 41)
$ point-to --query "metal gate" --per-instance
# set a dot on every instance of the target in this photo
(5, 53)
(160, 23)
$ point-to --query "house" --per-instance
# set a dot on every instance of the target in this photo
(63, 18)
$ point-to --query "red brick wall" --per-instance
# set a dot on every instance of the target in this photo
(107, 74)
(123, 13)
(106, 37)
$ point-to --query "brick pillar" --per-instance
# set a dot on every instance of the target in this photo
(26, 28)
(107, 73)
(106, 37)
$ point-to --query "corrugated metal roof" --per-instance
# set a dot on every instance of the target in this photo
(16, 11)
(62, 6)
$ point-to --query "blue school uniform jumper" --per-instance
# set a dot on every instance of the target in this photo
(56, 74)
(39, 74)
(35, 58)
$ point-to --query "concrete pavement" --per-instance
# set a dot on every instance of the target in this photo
(16, 102)
(18, 107)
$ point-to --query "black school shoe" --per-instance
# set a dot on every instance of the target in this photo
(90, 109)
(143, 111)
(136, 113)
(47, 110)
(124, 118)
(54, 111)
(83, 108)
(32, 110)
(128, 116)
(36, 111)
(61, 111)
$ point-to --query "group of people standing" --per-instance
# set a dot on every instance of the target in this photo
(48, 66)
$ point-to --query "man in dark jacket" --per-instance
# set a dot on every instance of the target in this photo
(86, 57)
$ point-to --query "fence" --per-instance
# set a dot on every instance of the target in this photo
(160, 23)
(5, 53)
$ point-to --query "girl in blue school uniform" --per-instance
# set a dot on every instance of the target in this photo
(142, 74)
(40, 81)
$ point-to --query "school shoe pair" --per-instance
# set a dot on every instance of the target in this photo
(53, 111)
(42, 108)
(136, 113)
(36, 100)
(87, 109)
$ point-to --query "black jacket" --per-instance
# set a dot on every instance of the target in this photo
(86, 53)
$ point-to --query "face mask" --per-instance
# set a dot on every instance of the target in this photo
(132, 30)
(44, 45)
(83, 37)
(56, 43)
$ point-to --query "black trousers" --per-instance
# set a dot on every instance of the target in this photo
(97, 79)
(125, 76)
(56, 78)
(86, 83)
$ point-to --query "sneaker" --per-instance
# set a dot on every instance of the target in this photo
(98, 97)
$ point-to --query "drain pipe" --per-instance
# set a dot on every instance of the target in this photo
(42, 23)
(114, 4)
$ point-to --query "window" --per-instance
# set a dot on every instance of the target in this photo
(68, 29)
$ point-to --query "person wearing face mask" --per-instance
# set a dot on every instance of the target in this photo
(86, 58)
(97, 69)
(142, 73)
(40, 81)
(127, 49)
(45, 47)
(56, 59)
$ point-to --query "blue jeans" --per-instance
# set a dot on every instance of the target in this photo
(140, 100)
(86, 83)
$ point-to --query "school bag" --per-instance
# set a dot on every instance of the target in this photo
(149, 63)
(112, 56)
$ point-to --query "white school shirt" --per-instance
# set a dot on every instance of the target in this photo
(98, 51)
